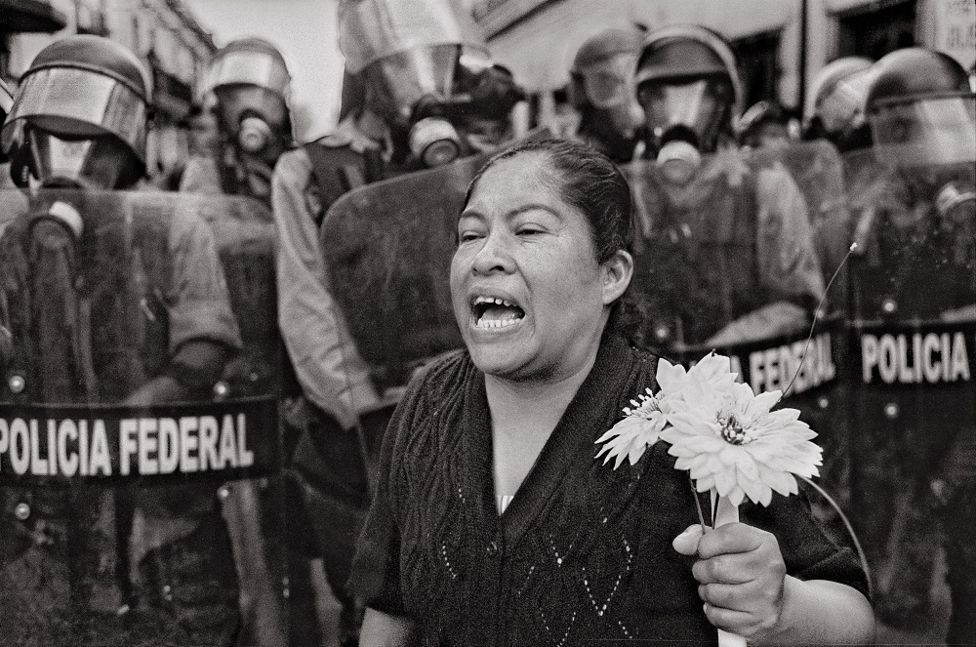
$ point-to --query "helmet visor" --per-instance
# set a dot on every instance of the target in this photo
(608, 82)
(241, 67)
(935, 131)
(79, 103)
(841, 108)
(699, 105)
(397, 82)
(370, 30)
(90, 163)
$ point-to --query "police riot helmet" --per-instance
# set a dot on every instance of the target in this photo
(251, 82)
(688, 83)
(423, 65)
(763, 123)
(922, 110)
(838, 92)
(6, 102)
(81, 114)
(602, 77)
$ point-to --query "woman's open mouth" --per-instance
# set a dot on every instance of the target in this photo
(494, 313)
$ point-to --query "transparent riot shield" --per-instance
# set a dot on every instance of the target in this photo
(818, 171)
(699, 265)
(389, 247)
(913, 377)
(139, 455)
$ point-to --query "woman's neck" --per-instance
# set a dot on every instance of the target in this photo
(523, 417)
(534, 406)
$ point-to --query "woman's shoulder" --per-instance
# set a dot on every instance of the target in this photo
(438, 382)
(639, 362)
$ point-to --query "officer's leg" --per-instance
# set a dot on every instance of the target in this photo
(959, 521)
(246, 509)
(331, 476)
(188, 573)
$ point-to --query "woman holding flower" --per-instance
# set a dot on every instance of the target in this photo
(495, 524)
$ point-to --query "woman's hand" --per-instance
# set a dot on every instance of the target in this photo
(741, 575)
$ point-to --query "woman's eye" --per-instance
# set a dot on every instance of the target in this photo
(528, 231)
(468, 236)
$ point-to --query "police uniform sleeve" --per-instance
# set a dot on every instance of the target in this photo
(788, 263)
(328, 366)
(201, 176)
(197, 301)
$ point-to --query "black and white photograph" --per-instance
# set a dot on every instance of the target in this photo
(487, 323)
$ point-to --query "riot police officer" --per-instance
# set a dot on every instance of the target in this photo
(764, 124)
(427, 94)
(251, 84)
(127, 308)
(248, 90)
(729, 255)
(839, 91)
(916, 228)
(602, 79)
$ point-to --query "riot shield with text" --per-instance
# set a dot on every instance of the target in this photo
(388, 247)
(138, 354)
(809, 368)
(913, 378)
(697, 262)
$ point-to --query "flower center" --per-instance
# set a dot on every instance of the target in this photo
(732, 430)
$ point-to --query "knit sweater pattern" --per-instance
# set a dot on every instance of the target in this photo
(582, 555)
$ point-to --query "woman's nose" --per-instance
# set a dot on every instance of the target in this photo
(493, 256)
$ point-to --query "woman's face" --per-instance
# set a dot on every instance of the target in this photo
(528, 292)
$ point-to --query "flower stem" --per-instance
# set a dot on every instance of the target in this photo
(694, 494)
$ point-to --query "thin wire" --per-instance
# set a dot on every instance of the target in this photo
(816, 317)
(850, 530)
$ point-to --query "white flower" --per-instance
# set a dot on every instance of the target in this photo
(733, 443)
(639, 429)
(709, 379)
(642, 425)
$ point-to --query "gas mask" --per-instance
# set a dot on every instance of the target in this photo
(76, 128)
(252, 86)
(685, 118)
(688, 85)
(255, 119)
(94, 163)
(424, 67)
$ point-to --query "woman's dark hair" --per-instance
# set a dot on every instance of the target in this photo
(589, 181)
(585, 179)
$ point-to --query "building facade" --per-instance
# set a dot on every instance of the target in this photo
(162, 33)
(781, 45)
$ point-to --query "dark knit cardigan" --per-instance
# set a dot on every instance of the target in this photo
(582, 553)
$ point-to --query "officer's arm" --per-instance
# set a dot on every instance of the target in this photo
(310, 321)
(203, 331)
(194, 369)
(788, 266)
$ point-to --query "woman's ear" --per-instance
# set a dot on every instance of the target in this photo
(618, 270)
